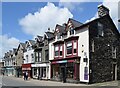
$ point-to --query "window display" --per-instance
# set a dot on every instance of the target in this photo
(70, 70)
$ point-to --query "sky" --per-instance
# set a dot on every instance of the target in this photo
(22, 21)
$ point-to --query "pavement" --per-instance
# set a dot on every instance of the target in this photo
(19, 82)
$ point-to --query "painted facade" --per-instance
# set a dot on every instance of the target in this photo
(29, 57)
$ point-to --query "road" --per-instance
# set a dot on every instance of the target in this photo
(13, 82)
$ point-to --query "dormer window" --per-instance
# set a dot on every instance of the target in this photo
(69, 24)
(29, 48)
(71, 31)
(71, 28)
(58, 36)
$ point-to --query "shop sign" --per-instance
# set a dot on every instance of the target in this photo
(26, 68)
(64, 61)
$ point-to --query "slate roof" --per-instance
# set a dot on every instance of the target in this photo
(61, 28)
(75, 23)
(40, 38)
(32, 42)
(14, 50)
(50, 35)
(100, 19)
(23, 45)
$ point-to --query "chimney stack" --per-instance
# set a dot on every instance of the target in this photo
(102, 10)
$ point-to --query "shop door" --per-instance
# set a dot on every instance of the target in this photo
(63, 74)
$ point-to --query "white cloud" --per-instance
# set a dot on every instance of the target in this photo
(48, 16)
(70, 5)
(7, 43)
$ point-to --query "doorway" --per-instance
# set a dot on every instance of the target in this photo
(114, 71)
(63, 74)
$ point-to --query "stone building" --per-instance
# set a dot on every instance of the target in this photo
(88, 52)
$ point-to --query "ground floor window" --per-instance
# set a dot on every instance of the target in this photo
(70, 70)
(56, 70)
(44, 72)
(35, 72)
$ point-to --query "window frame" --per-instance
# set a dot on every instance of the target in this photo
(114, 52)
(100, 27)
(60, 46)
(72, 54)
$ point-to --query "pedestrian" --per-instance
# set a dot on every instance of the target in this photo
(3, 73)
(26, 75)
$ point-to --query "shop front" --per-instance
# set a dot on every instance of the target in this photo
(27, 68)
(65, 70)
(41, 71)
(10, 71)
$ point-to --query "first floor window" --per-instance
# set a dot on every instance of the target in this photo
(46, 55)
(75, 47)
(32, 55)
(39, 59)
(56, 51)
(36, 56)
(114, 52)
(26, 58)
(69, 48)
(61, 50)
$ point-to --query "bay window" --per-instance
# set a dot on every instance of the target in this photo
(59, 50)
(71, 47)
(56, 50)
(75, 47)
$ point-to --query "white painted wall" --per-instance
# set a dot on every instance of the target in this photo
(83, 40)
(30, 59)
(51, 50)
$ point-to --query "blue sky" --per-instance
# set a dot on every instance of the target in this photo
(22, 21)
(13, 12)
